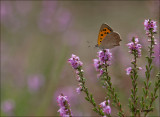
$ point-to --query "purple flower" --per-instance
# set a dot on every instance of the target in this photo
(75, 61)
(79, 89)
(35, 83)
(150, 24)
(128, 70)
(101, 73)
(108, 101)
(96, 64)
(139, 68)
(135, 47)
(64, 105)
(104, 55)
(106, 108)
(8, 106)
(103, 104)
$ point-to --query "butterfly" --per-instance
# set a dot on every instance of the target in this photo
(107, 38)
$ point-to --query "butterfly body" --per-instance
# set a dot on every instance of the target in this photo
(107, 38)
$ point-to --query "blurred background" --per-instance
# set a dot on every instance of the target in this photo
(38, 37)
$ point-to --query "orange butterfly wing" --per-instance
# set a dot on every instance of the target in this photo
(104, 30)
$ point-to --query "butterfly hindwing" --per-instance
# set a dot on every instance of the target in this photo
(104, 30)
(110, 41)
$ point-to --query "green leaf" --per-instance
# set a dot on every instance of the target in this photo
(87, 98)
(149, 84)
(94, 109)
(144, 91)
(91, 96)
(145, 84)
(147, 68)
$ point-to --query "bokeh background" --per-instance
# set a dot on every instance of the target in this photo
(38, 37)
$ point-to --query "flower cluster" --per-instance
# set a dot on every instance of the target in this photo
(150, 25)
(135, 47)
(64, 105)
(105, 106)
(75, 61)
(128, 70)
(77, 64)
(104, 58)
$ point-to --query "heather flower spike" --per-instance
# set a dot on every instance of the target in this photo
(75, 61)
(135, 47)
(150, 25)
(64, 105)
(128, 70)
(150, 28)
(77, 65)
(101, 64)
(106, 108)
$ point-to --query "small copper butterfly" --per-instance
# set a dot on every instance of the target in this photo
(107, 38)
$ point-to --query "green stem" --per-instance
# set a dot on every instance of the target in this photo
(89, 96)
(134, 97)
(113, 96)
(153, 95)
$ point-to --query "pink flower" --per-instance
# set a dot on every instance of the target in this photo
(135, 47)
(64, 106)
(128, 70)
(150, 24)
(103, 104)
(104, 55)
(35, 83)
(79, 89)
(96, 64)
(106, 108)
(8, 106)
(75, 61)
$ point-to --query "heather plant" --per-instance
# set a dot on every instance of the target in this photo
(139, 105)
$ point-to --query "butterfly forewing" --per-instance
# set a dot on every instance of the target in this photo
(104, 30)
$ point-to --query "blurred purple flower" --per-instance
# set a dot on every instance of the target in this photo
(9, 18)
(75, 61)
(63, 18)
(53, 18)
(150, 24)
(35, 83)
(8, 106)
(106, 108)
(140, 68)
(64, 105)
(49, 7)
(6, 10)
(135, 47)
(23, 7)
(128, 70)
(46, 21)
